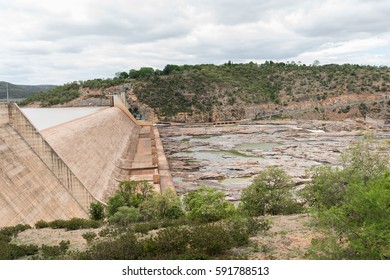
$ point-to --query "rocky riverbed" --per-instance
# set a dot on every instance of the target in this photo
(228, 157)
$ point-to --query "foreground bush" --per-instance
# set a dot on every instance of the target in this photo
(72, 224)
(352, 206)
(96, 211)
(270, 193)
(11, 251)
(207, 205)
(176, 242)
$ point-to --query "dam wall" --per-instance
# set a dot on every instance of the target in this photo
(49, 156)
(29, 190)
(4, 119)
(92, 145)
(58, 172)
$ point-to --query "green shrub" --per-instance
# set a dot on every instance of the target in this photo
(354, 221)
(144, 228)
(89, 236)
(126, 247)
(54, 252)
(161, 206)
(42, 224)
(125, 216)
(13, 230)
(96, 211)
(270, 193)
(74, 224)
(57, 224)
(130, 194)
(105, 232)
(207, 205)
(12, 251)
(210, 239)
(113, 204)
(167, 243)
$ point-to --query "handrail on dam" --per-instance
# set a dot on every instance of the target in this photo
(20, 122)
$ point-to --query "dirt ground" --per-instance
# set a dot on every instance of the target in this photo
(288, 239)
(51, 237)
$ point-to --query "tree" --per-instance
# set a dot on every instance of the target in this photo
(130, 194)
(352, 205)
(270, 193)
(122, 75)
(96, 211)
(207, 205)
(169, 68)
(363, 109)
(160, 206)
(360, 163)
(366, 159)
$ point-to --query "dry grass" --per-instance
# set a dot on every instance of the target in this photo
(51, 237)
(288, 239)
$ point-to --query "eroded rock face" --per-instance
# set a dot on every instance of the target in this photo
(228, 157)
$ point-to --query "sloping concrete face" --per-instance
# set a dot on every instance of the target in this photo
(29, 191)
(92, 146)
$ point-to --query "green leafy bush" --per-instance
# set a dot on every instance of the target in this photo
(351, 206)
(161, 206)
(96, 211)
(125, 215)
(270, 193)
(12, 251)
(42, 224)
(13, 230)
(54, 252)
(89, 236)
(130, 194)
(207, 205)
(210, 239)
(74, 224)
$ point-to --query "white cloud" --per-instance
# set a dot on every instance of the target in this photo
(48, 41)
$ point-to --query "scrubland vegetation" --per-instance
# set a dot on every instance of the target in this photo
(349, 207)
(198, 89)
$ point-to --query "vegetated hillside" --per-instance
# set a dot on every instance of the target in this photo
(68, 92)
(21, 91)
(209, 92)
(202, 93)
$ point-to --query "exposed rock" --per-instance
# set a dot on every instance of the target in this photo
(225, 156)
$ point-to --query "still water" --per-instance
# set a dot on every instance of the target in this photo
(43, 118)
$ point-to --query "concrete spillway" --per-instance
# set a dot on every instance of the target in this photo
(57, 173)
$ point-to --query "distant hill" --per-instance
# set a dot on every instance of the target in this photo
(204, 93)
(21, 91)
(250, 90)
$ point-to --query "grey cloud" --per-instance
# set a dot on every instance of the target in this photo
(91, 39)
(126, 23)
(344, 22)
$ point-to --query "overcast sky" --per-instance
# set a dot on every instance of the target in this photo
(55, 42)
